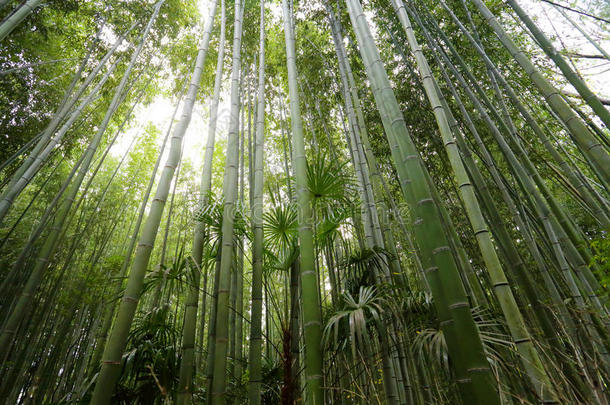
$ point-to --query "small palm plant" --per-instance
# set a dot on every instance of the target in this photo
(354, 325)
(151, 361)
(355, 317)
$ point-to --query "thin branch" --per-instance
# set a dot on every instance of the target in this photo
(577, 11)
(584, 56)
(5, 72)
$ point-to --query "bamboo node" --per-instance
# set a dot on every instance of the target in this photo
(457, 305)
(440, 249)
(500, 284)
(478, 370)
(424, 201)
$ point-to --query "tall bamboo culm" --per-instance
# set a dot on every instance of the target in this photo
(219, 382)
(309, 280)
(530, 359)
(473, 372)
(187, 363)
(17, 17)
(255, 353)
(115, 346)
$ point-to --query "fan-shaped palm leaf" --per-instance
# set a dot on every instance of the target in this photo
(280, 226)
(151, 362)
(211, 215)
(362, 265)
(332, 223)
(280, 261)
(429, 344)
(175, 276)
(356, 313)
(327, 180)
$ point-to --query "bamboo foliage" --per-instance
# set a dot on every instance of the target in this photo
(51, 242)
(45, 144)
(427, 199)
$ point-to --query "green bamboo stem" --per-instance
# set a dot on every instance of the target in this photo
(17, 17)
(206, 176)
(117, 340)
(187, 364)
(255, 350)
(585, 140)
(581, 87)
(309, 282)
(474, 376)
(230, 197)
(584, 33)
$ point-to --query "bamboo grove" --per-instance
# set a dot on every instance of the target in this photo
(321, 202)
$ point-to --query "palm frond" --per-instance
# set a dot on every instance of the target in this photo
(327, 180)
(280, 227)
